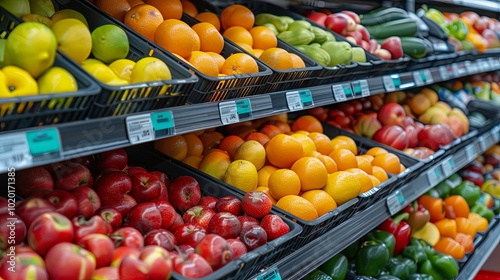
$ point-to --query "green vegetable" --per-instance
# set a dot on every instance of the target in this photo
(412, 266)
(299, 24)
(398, 268)
(415, 47)
(436, 16)
(469, 191)
(444, 189)
(388, 277)
(335, 267)
(433, 193)
(351, 250)
(440, 266)
(483, 211)
(458, 29)
(316, 53)
(317, 275)
(384, 237)
(415, 253)
(406, 27)
(320, 35)
(371, 258)
(280, 23)
(424, 245)
(417, 276)
(382, 15)
(296, 37)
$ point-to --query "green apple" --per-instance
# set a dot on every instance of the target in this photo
(340, 53)
(358, 54)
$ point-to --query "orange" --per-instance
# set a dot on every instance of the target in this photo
(237, 15)
(307, 123)
(238, 35)
(328, 162)
(389, 162)
(380, 173)
(298, 206)
(252, 151)
(263, 38)
(257, 52)
(171, 9)
(114, 8)
(321, 200)
(308, 147)
(264, 174)
(322, 142)
(242, 130)
(367, 157)
(363, 178)
(283, 150)
(177, 37)
(277, 58)
(209, 17)
(210, 140)
(364, 164)
(175, 146)
(144, 19)
(230, 144)
(193, 161)
(401, 168)
(219, 59)
(312, 173)
(271, 130)
(345, 142)
(210, 38)
(283, 182)
(344, 159)
(189, 8)
(204, 63)
(215, 163)
(134, 3)
(375, 180)
(246, 48)
(266, 191)
(194, 145)
(342, 186)
(375, 151)
(258, 136)
(281, 125)
(297, 61)
(239, 63)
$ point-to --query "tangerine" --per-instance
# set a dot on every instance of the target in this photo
(307, 123)
(171, 9)
(283, 150)
(144, 19)
(237, 15)
(239, 63)
(177, 37)
(210, 38)
(277, 58)
(209, 17)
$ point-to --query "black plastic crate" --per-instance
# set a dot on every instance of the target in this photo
(46, 109)
(139, 97)
(378, 192)
(250, 263)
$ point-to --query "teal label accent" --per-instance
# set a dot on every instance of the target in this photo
(43, 141)
(423, 77)
(244, 109)
(356, 87)
(396, 80)
(347, 90)
(163, 123)
(272, 274)
(306, 97)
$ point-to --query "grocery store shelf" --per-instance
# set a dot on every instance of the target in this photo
(304, 260)
(486, 5)
(75, 139)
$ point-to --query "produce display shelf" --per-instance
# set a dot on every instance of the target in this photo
(304, 260)
(80, 138)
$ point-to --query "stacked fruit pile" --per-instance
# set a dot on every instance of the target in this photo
(100, 217)
(304, 171)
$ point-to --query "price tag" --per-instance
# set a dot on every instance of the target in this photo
(361, 88)
(163, 123)
(469, 66)
(451, 71)
(235, 111)
(14, 151)
(482, 143)
(493, 63)
(471, 151)
(496, 134)
(448, 166)
(297, 100)
(395, 202)
(45, 144)
(460, 69)
(342, 92)
(484, 65)
(392, 82)
(434, 176)
(419, 78)
(139, 128)
(443, 72)
(271, 274)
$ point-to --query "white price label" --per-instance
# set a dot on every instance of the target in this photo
(443, 72)
(271, 274)
(483, 143)
(14, 151)
(428, 76)
(448, 166)
(492, 63)
(419, 78)
(139, 128)
(495, 132)
(484, 66)
(434, 175)
(391, 82)
(395, 202)
(293, 101)
(460, 68)
(469, 66)
(361, 88)
(471, 151)
(228, 112)
(342, 92)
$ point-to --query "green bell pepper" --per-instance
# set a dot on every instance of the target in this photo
(415, 253)
(371, 258)
(440, 267)
(335, 267)
(350, 251)
(433, 193)
(469, 191)
(424, 245)
(388, 277)
(317, 275)
(443, 189)
(399, 268)
(483, 211)
(417, 276)
(412, 266)
(383, 236)
(458, 29)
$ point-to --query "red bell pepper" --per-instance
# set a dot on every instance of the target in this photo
(400, 229)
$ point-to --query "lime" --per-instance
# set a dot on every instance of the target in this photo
(150, 69)
(57, 79)
(38, 18)
(109, 43)
(68, 13)
(32, 46)
(73, 38)
(18, 8)
(42, 7)
(122, 68)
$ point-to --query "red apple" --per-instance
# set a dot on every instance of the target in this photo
(178, 221)
(121, 252)
(411, 135)
(337, 23)
(394, 46)
(106, 273)
(238, 248)
(392, 135)
(161, 176)
(12, 230)
(31, 179)
(471, 16)
(332, 113)
(356, 35)
(229, 204)
(144, 217)
(215, 250)
(88, 201)
(83, 227)
(167, 211)
(383, 54)
(190, 234)
(111, 186)
(247, 220)
(145, 187)
(132, 268)
(208, 201)
(256, 204)
(161, 237)
(115, 159)
(184, 193)
(253, 236)
(347, 108)
(353, 16)
(434, 136)
(110, 215)
(374, 46)
(100, 245)
(88, 161)
(351, 24)
(426, 151)
(198, 215)
(158, 261)
(225, 224)
(473, 177)
(476, 166)
(480, 25)
(72, 175)
(491, 38)
(492, 159)
(124, 204)
(365, 35)
(27, 265)
(131, 170)
(31, 208)
(391, 114)
(274, 226)
(68, 261)
(48, 230)
(318, 18)
(365, 45)
(192, 266)
(127, 237)
(64, 202)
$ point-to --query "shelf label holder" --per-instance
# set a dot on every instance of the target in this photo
(443, 72)
(434, 175)
(139, 128)
(483, 143)
(235, 111)
(271, 274)
(298, 100)
(14, 151)
(361, 88)
(448, 166)
(391, 82)
(342, 92)
(423, 77)
(471, 151)
(163, 123)
(395, 202)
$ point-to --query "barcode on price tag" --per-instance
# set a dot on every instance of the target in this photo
(228, 112)
(360, 88)
(342, 92)
(419, 78)
(392, 82)
(139, 128)
(14, 151)
(395, 202)
(163, 123)
(443, 72)
(297, 100)
(471, 151)
(448, 166)
(434, 175)
(271, 274)
(45, 144)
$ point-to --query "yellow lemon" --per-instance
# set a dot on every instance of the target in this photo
(342, 186)
(57, 79)
(150, 69)
(122, 68)
(18, 83)
(252, 151)
(102, 73)
(241, 174)
(68, 13)
(109, 43)
(73, 38)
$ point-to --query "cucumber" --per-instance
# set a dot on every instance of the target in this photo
(320, 35)
(406, 27)
(263, 18)
(316, 53)
(299, 24)
(415, 47)
(296, 37)
(382, 15)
